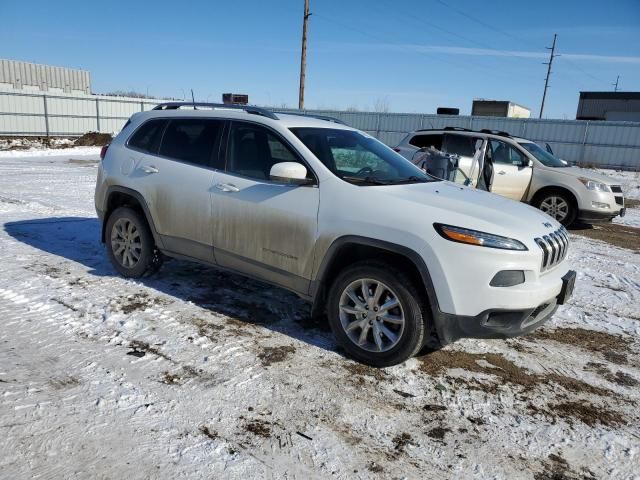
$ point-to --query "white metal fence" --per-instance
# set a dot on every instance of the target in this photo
(606, 144)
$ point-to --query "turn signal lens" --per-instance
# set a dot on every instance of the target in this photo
(474, 237)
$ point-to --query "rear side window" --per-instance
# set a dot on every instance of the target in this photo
(192, 140)
(422, 141)
(147, 137)
(462, 145)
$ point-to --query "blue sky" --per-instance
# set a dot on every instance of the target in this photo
(413, 55)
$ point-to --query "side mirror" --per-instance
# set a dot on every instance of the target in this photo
(292, 173)
(529, 163)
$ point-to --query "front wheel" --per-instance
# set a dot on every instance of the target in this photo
(377, 315)
(559, 206)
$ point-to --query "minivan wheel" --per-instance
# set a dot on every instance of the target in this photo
(559, 206)
(130, 245)
(377, 314)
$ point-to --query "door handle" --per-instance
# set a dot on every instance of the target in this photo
(149, 169)
(502, 172)
(227, 187)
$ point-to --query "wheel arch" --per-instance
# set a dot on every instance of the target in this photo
(347, 250)
(125, 197)
(554, 188)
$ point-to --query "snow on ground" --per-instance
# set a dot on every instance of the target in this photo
(630, 182)
(201, 374)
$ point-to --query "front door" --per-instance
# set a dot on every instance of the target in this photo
(261, 227)
(511, 170)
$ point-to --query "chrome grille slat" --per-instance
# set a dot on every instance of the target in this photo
(554, 246)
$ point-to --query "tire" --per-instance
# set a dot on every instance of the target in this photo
(130, 245)
(558, 205)
(346, 307)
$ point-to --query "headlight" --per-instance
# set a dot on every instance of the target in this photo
(593, 185)
(473, 237)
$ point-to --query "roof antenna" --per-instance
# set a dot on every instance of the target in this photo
(193, 100)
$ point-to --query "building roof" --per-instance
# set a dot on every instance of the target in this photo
(609, 95)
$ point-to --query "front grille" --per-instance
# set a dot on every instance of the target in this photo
(619, 201)
(616, 188)
(554, 248)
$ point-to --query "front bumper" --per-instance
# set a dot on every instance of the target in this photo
(500, 323)
(589, 216)
(600, 206)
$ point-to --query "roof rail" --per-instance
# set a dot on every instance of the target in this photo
(247, 108)
(458, 129)
(496, 132)
(319, 117)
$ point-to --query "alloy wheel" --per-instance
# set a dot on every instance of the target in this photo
(556, 207)
(371, 315)
(126, 242)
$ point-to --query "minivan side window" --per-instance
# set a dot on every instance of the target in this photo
(253, 150)
(147, 137)
(462, 145)
(192, 140)
(431, 140)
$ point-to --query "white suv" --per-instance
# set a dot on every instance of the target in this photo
(394, 257)
(525, 172)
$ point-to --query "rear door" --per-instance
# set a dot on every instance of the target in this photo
(511, 170)
(262, 227)
(176, 181)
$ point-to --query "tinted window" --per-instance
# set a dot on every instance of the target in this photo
(462, 145)
(502, 152)
(253, 150)
(147, 137)
(192, 140)
(547, 159)
(422, 141)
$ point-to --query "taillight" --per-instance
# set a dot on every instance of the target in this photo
(103, 152)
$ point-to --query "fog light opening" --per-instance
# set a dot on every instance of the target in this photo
(600, 205)
(507, 278)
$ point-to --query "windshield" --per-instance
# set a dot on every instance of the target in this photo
(543, 156)
(359, 158)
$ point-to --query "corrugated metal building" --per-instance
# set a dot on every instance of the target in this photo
(30, 77)
(616, 106)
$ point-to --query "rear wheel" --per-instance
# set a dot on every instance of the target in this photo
(377, 315)
(559, 206)
(130, 245)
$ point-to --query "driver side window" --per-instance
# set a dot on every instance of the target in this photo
(505, 154)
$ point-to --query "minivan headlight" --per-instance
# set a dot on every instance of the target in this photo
(593, 185)
(474, 237)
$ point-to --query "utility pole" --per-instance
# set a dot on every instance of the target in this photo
(546, 81)
(615, 85)
(303, 55)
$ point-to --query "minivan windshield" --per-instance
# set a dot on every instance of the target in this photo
(359, 158)
(543, 156)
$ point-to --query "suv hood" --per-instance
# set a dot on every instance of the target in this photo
(584, 173)
(461, 206)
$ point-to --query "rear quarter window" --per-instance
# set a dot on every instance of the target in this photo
(427, 140)
(147, 137)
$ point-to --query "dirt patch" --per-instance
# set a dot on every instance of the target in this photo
(557, 468)
(401, 441)
(498, 366)
(138, 301)
(612, 347)
(207, 328)
(258, 427)
(207, 432)
(360, 371)
(93, 139)
(438, 433)
(618, 235)
(74, 161)
(632, 203)
(620, 378)
(144, 348)
(375, 468)
(270, 355)
(66, 382)
(587, 413)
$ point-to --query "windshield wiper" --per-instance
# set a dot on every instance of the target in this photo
(411, 179)
(366, 180)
